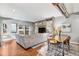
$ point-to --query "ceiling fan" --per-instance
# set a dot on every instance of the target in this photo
(61, 7)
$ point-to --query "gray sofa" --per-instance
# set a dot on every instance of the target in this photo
(29, 41)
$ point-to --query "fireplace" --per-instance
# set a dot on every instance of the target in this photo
(42, 30)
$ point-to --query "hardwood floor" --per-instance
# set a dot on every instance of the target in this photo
(11, 48)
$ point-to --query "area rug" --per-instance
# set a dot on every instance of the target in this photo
(53, 52)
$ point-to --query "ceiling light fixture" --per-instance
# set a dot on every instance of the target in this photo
(13, 10)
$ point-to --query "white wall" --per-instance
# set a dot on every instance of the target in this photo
(9, 22)
(74, 20)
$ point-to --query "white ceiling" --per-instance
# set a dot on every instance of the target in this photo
(28, 11)
(72, 7)
(33, 11)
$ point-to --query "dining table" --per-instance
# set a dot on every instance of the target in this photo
(63, 39)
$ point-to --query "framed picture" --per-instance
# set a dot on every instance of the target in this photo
(4, 28)
(66, 27)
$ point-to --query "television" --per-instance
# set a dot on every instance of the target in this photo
(42, 30)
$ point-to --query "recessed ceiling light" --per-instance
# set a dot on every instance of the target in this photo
(13, 10)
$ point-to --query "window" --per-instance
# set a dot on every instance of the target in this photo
(13, 28)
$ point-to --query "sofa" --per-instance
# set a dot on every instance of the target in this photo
(29, 41)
